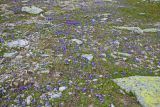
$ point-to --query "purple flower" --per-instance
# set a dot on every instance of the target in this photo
(60, 32)
(23, 88)
(66, 62)
(75, 61)
(1, 40)
(91, 89)
(90, 76)
(56, 88)
(49, 18)
(18, 101)
(84, 89)
(39, 105)
(5, 105)
(47, 103)
(8, 98)
(124, 73)
(93, 64)
(72, 22)
(100, 97)
(49, 87)
(63, 82)
(59, 81)
(115, 73)
(99, 2)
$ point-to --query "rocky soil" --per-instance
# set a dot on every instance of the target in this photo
(79, 53)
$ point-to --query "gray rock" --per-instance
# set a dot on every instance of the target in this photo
(18, 43)
(151, 30)
(145, 88)
(10, 55)
(123, 54)
(57, 95)
(103, 55)
(32, 10)
(133, 29)
(29, 99)
(44, 71)
(88, 56)
(79, 42)
(112, 105)
(45, 55)
(62, 88)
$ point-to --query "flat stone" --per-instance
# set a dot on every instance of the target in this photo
(88, 56)
(79, 42)
(53, 95)
(18, 43)
(62, 88)
(123, 54)
(151, 30)
(32, 10)
(44, 71)
(145, 88)
(103, 55)
(10, 55)
(29, 99)
(134, 29)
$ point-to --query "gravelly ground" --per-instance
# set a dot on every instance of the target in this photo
(70, 52)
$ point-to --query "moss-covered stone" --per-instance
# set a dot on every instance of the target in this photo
(146, 89)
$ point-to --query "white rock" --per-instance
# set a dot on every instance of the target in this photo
(104, 19)
(88, 56)
(112, 105)
(32, 10)
(19, 57)
(116, 42)
(123, 54)
(10, 55)
(104, 59)
(44, 71)
(100, 76)
(145, 88)
(62, 88)
(151, 30)
(95, 80)
(103, 54)
(114, 56)
(108, 0)
(45, 55)
(18, 43)
(70, 93)
(79, 42)
(134, 29)
(29, 99)
(57, 95)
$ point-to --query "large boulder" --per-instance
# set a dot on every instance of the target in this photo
(146, 89)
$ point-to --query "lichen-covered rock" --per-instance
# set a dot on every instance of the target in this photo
(146, 89)
(29, 99)
(10, 55)
(133, 29)
(151, 30)
(32, 10)
(18, 43)
(79, 42)
(89, 57)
